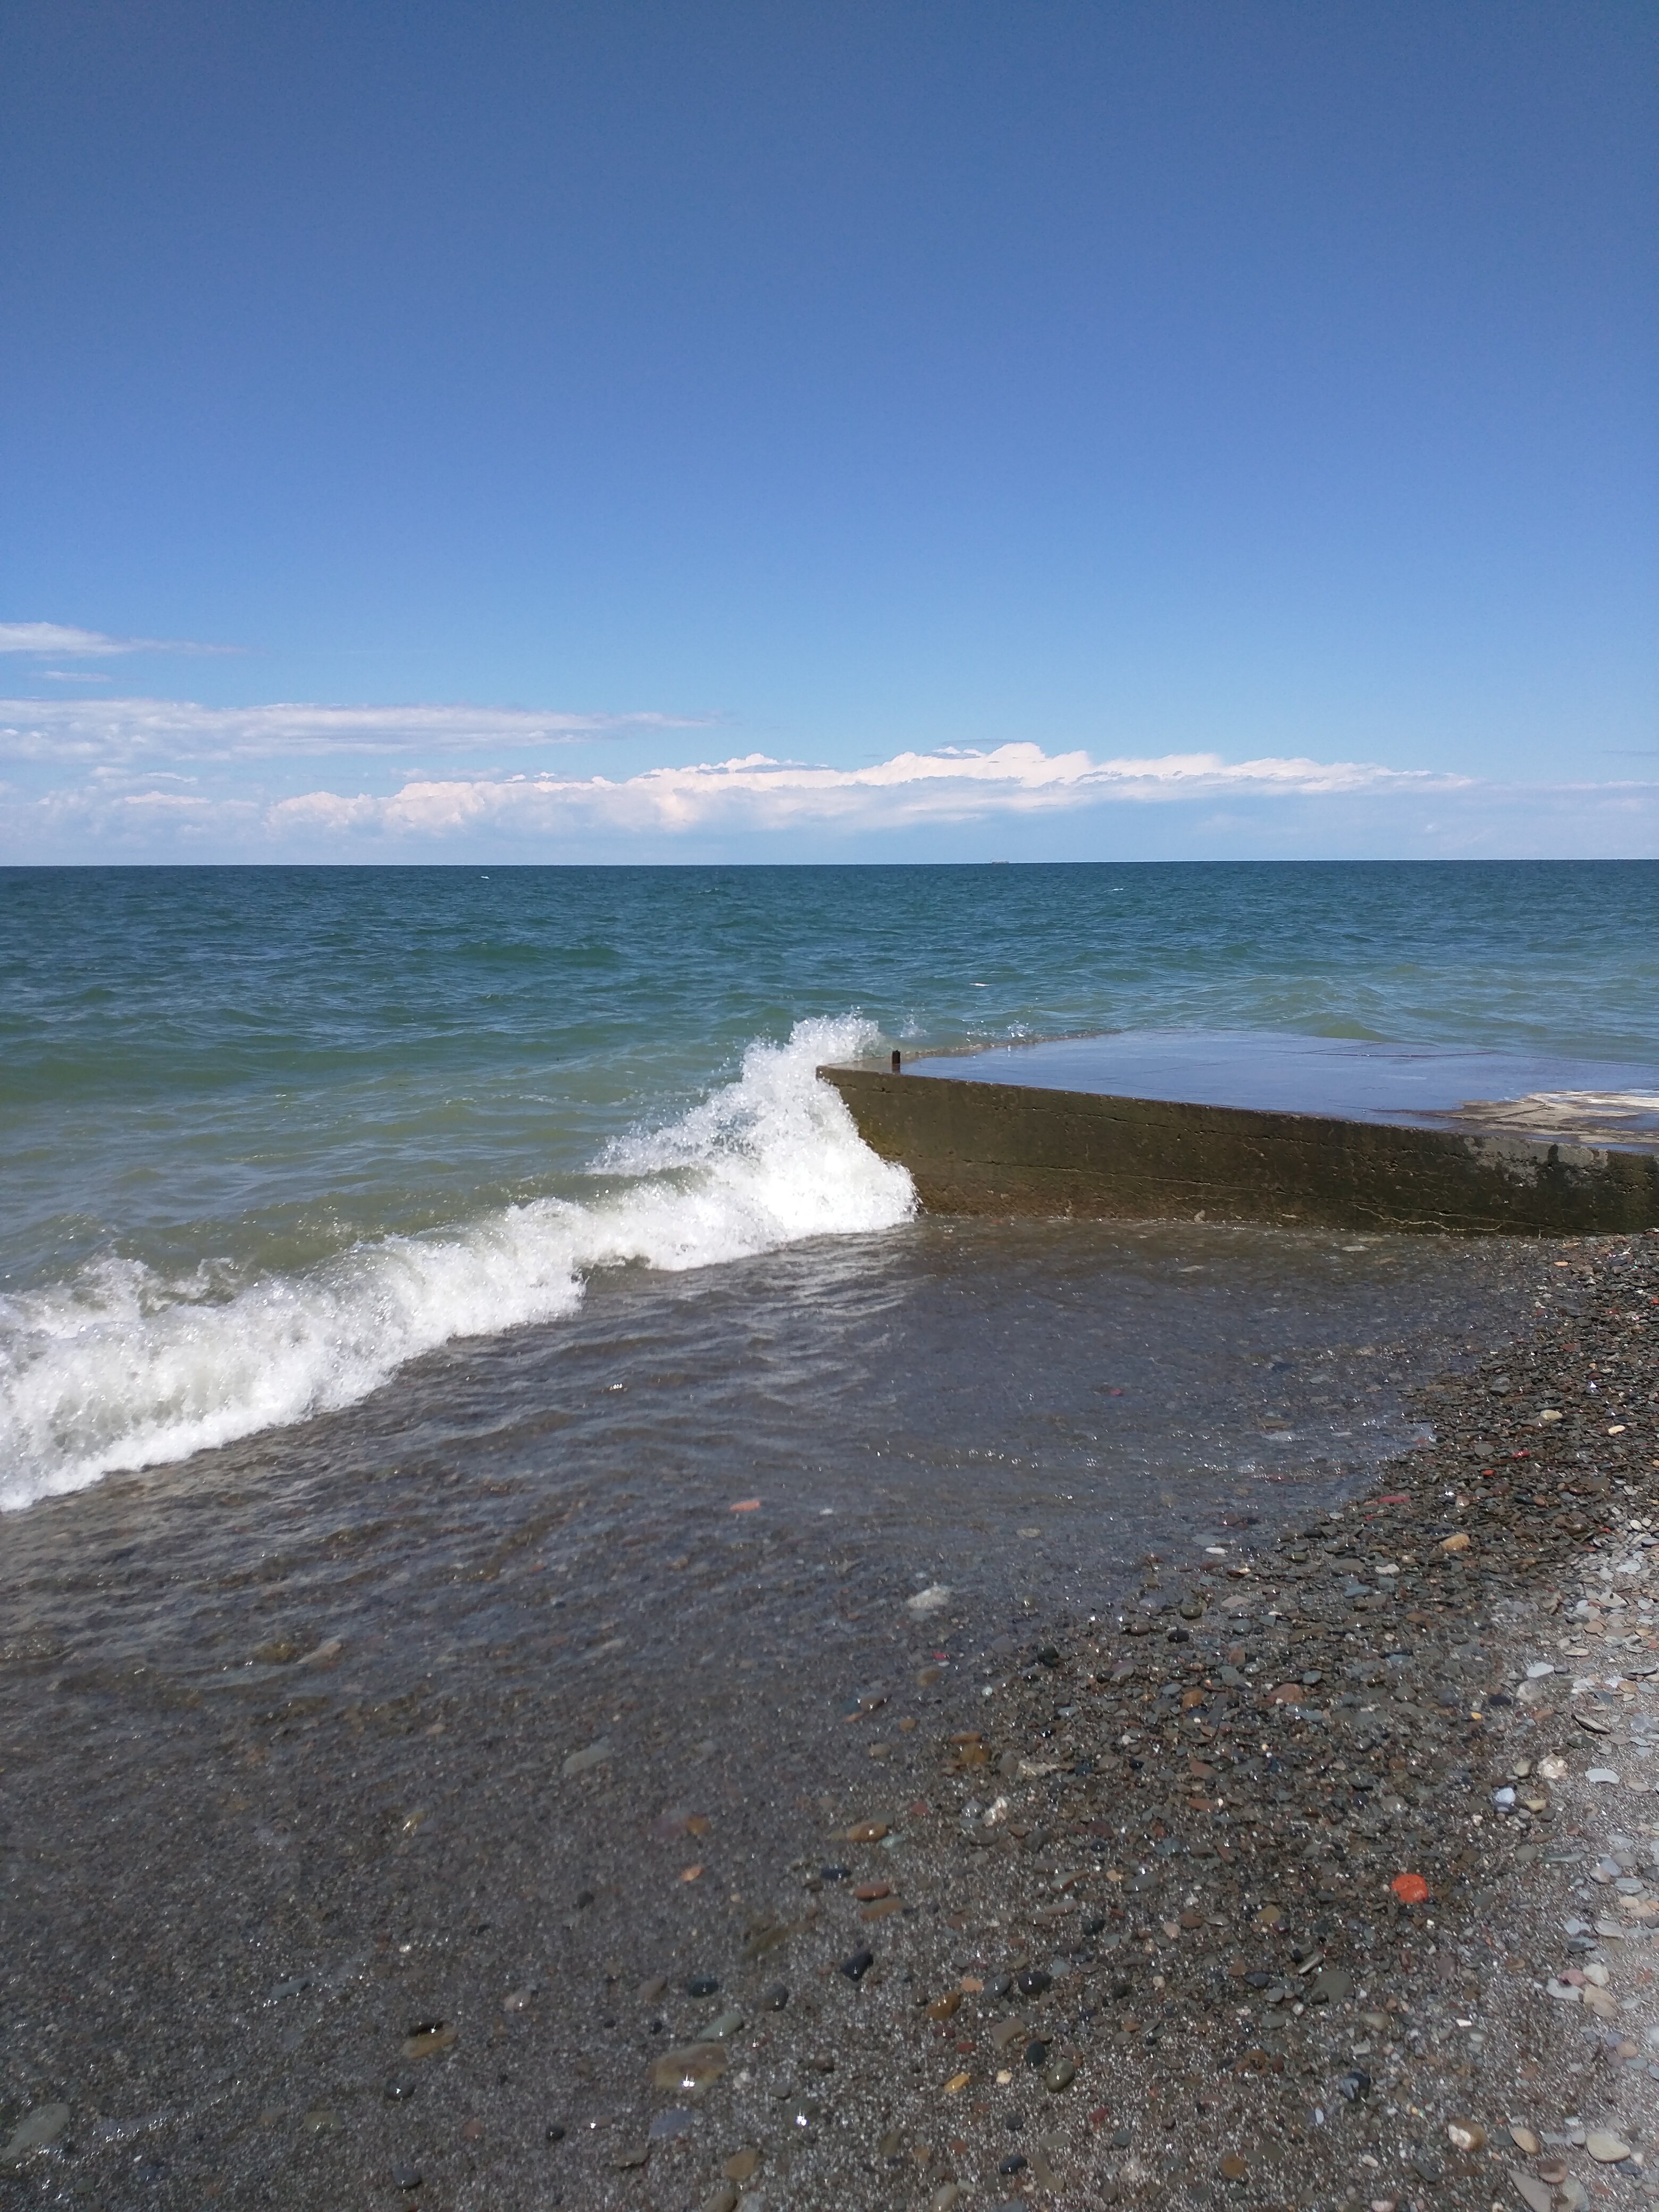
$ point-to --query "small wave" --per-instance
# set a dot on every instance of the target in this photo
(122, 1367)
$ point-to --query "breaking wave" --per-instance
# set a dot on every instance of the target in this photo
(123, 1367)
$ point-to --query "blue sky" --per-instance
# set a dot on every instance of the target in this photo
(1030, 430)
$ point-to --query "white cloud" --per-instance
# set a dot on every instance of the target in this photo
(110, 779)
(64, 641)
(757, 793)
(79, 731)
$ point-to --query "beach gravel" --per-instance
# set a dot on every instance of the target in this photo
(1318, 1869)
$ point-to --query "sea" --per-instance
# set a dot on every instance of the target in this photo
(470, 1402)
(276, 1140)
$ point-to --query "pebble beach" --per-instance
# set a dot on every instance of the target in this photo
(1320, 1869)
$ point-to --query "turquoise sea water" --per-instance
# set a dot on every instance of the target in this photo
(268, 1135)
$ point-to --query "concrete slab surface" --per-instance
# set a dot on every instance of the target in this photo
(1434, 1086)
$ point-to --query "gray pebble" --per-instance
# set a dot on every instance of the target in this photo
(35, 2131)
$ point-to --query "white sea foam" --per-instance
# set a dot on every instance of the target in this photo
(124, 1369)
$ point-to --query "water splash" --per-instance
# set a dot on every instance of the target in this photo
(123, 1368)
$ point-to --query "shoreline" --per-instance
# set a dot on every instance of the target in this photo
(472, 1974)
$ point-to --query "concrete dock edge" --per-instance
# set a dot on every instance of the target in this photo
(1004, 1148)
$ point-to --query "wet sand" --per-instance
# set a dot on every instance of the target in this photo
(434, 1923)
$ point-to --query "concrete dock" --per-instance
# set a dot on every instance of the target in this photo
(1302, 1132)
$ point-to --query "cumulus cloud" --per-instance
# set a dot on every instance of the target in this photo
(157, 778)
(63, 641)
(757, 793)
(132, 732)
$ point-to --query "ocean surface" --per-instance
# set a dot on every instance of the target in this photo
(280, 1143)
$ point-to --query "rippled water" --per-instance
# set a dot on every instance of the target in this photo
(272, 1135)
(1014, 1411)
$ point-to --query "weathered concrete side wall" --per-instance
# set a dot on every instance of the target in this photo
(1001, 1148)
